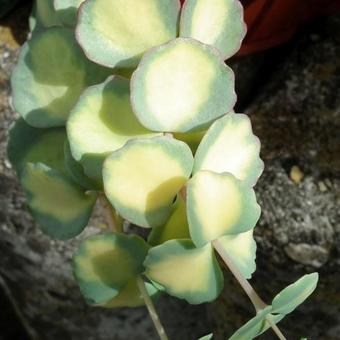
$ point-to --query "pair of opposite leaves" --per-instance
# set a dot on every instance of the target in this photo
(142, 178)
(107, 268)
(283, 303)
(179, 86)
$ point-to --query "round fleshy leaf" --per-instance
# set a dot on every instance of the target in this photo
(253, 327)
(230, 146)
(104, 265)
(175, 228)
(241, 249)
(51, 73)
(76, 171)
(60, 207)
(118, 32)
(67, 11)
(293, 295)
(214, 22)
(185, 271)
(31, 145)
(219, 205)
(101, 122)
(142, 178)
(181, 86)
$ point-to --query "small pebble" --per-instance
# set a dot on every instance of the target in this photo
(296, 175)
(322, 186)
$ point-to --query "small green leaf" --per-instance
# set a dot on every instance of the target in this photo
(131, 27)
(293, 295)
(253, 327)
(101, 122)
(66, 11)
(76, 171)
(230, 146)
(241, 248)
(219, 205)
(193, 139)
(142, 178)
(175, 228)
(60, 207)
(162, 92)
(44, 14)
(106, 267)
(214, 22)
(31, 145)
(206, 337)
(185, 271)
(50, 75)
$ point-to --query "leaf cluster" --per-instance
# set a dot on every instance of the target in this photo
(131, 102)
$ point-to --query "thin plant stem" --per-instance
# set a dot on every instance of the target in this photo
(115, 228)
(276, 329)
(109, 214)
(151, 308)
(257, 302)
(249, 290)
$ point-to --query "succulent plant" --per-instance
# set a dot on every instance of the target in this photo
(131, 103)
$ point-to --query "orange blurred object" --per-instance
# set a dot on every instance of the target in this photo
(273, 22)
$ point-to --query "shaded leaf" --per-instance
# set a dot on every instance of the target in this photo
(44, 15)
(66, 11)
(76, 171)
(193, 139)
(106, 267)
(175, 228)
(59, 206)
(31, 145)
(130, 295)
(51, 73)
